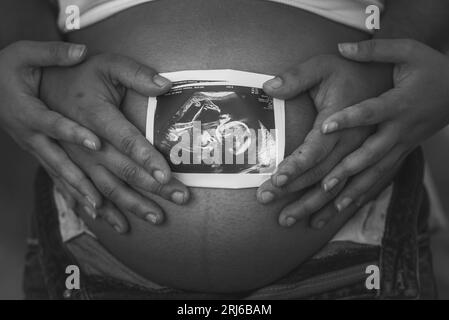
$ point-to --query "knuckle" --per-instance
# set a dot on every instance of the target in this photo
(128, 144)
(135, 208)
(319, 150)
(54, 52)
(159, 189)
(368, 47)
(323, 150)
(140, 72)
(108, 190)
(147, 157)
(296, 161)
(129, 172)
(293, 72)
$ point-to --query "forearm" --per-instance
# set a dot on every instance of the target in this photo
(424, 20)
(27, 20)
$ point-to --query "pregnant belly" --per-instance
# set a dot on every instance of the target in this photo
(223, 240)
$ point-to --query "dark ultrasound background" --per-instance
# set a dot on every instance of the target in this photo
(245, 104)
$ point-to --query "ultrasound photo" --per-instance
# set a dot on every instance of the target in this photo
(217, 128)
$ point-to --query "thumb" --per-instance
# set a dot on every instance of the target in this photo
(297, 79)
(382, 50)
(133, 75)
(48, 54)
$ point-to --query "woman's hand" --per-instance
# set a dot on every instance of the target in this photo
(416, 108)
(127, 163)
(333, 84)
(28, 120)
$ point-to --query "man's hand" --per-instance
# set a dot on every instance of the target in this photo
(91, 94)
(416, 108)
(333, 84)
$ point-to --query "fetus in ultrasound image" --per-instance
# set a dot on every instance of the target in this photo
(216, 129)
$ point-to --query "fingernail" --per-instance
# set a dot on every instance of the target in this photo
(90, 212)
(159, 176)
(274, 83)
(90, 145)
(118, 229)
(281, 180)
(178, 197)
(266, 196)
(151, 217)
(331, 184)
(290, 221)
(320, 224)
(348, 48)
(77, 51)
(343, 204)
(160, 81)
(330, 127)
(91, 202)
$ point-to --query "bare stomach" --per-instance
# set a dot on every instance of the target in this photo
(223, 240)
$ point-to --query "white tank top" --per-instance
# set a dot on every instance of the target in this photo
(348, 12)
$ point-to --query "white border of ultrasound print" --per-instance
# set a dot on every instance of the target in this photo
(224, 77)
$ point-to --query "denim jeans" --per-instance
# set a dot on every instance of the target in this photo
(404, 258)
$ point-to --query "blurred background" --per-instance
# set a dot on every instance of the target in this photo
(16, 202)
(17, 170)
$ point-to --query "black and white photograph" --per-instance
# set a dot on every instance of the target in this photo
(221, 157)
(218, 134)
